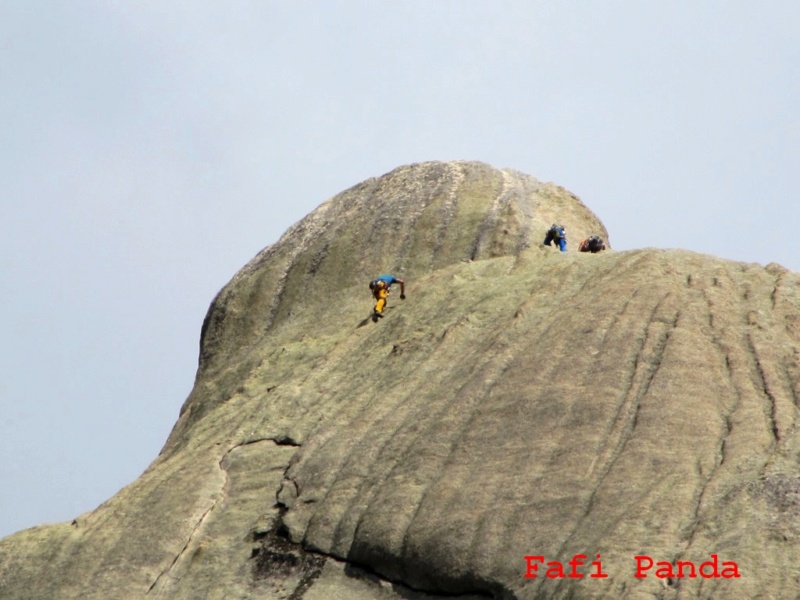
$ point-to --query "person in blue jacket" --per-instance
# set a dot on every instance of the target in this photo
(380, 287)
(556, 234)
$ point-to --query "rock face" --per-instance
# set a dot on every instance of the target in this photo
(521, 402)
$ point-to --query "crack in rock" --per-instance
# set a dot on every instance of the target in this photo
(218, 498)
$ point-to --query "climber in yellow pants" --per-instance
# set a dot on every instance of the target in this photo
(380, 291)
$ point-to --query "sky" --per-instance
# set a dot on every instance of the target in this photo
(150, 149)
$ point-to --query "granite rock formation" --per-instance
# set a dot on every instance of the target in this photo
(520, 402)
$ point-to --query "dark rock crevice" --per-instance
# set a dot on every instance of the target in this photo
(279, 564)
(291, 567)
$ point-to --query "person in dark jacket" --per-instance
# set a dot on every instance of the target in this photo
(556, 234)
(593, 244)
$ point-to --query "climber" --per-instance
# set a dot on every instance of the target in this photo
(557, 234)
(592, 244)
(380, 287)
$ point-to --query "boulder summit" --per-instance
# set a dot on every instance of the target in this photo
(526, 424)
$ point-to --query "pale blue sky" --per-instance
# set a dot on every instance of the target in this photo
(150, 149)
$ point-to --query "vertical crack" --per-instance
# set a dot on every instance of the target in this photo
(641, 376)
(198, 527)
(645, 368)
(721, 452)
(168, 571)
(771, 413)
(492, 219)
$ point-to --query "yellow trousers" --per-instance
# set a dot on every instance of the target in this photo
(380, 296)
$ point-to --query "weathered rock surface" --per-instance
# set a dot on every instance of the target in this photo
(520, 402)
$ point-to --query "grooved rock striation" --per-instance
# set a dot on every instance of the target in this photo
(520, 402)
